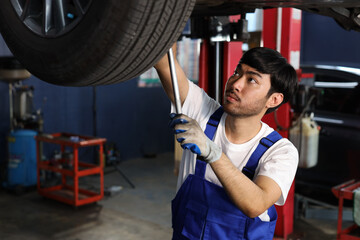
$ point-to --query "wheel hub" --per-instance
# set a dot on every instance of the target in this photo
(51, 18)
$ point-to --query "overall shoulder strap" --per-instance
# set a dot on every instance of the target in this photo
(210, 131)
(213, 123)
(264, 144)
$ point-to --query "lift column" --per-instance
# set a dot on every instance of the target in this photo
(282, 32)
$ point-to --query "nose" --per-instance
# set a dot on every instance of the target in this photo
(237, 84)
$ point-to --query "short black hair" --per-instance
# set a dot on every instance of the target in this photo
(282, 75)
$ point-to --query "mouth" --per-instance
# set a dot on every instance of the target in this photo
(231, 97)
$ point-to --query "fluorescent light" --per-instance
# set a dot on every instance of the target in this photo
(355, 71)
(329, 120)
(337, 84)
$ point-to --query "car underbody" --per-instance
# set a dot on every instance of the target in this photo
(346, 12)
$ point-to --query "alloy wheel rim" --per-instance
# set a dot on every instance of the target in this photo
(50, 18)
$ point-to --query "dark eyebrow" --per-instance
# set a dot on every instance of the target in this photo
(253, 73)
(239, 67)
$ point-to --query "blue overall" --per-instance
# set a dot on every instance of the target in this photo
(203, 210)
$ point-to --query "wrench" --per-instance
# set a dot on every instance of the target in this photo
(174, 81)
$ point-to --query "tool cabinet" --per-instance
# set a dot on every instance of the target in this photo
(66, 192)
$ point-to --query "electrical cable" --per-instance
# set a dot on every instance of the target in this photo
(282, 128)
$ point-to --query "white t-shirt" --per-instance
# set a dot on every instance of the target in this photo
(278, 163)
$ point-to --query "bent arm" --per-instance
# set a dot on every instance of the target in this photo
(252, 198)
(163, 70)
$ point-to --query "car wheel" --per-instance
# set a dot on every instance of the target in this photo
(91, 42)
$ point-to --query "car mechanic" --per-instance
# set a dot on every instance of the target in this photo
(232, 175)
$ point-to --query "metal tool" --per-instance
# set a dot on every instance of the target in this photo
(177, 99)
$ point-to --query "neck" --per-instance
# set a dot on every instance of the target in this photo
(240, 130)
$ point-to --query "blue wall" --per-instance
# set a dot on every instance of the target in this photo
(4, 119)
(135, 119)
(323, 41)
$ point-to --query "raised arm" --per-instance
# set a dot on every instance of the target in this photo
(163, 70)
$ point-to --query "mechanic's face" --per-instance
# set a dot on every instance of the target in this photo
(246, 92)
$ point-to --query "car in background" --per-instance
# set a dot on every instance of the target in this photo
(94, 42)
(336, 109)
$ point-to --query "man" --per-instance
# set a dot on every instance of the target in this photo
(221, 193)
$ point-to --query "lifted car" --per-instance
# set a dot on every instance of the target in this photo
(94, 42)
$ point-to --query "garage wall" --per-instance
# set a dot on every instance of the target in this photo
(4, 50)
(323, 41)
(135, 119)
(4, 108)
(4, 119)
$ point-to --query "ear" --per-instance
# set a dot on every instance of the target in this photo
(274, 100)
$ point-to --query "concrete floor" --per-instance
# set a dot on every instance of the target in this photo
(139, 213)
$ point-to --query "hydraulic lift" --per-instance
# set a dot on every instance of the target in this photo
(220, 52)
(284, 25)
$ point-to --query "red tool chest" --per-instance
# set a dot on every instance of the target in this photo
(66, 192)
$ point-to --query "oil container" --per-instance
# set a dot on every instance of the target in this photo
(305, 137)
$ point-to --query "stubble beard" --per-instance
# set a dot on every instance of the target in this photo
(247, 110)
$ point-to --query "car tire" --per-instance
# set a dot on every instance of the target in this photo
(114, 41)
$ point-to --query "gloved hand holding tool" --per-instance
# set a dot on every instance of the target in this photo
(190, 135)
(187, 130)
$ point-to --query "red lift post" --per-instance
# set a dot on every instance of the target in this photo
(282, 32)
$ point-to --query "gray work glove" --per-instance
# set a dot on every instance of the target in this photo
(190, 135)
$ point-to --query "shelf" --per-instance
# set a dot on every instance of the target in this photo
(68, 139)
(89, 169)
(67, 195)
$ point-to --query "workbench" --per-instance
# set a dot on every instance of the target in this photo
(73, 168)
(342, 192)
